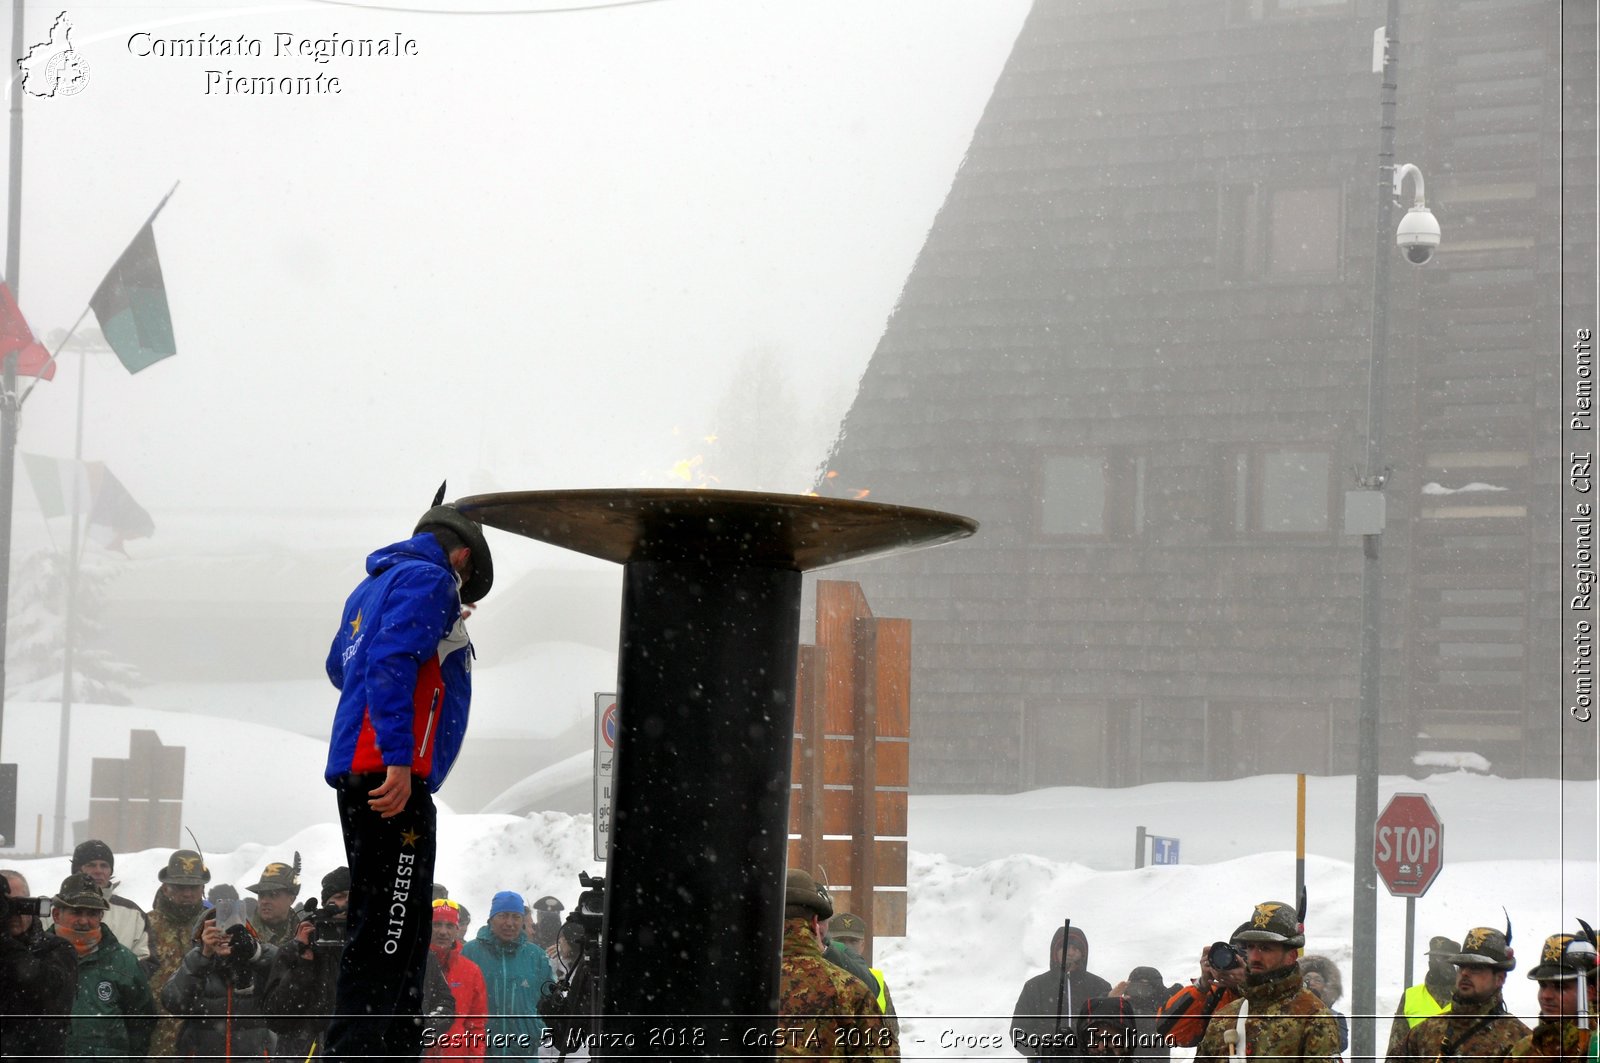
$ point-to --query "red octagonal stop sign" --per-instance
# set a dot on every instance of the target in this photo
(1408, 850)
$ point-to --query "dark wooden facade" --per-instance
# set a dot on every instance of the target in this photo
(1135, 346)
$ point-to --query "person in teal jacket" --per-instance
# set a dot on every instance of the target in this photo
(113, 1013)
(515, 971)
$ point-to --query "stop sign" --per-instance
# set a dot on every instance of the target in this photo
(1408, 849)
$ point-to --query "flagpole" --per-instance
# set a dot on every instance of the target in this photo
(8, 379)
(58, 836)
(50, 361)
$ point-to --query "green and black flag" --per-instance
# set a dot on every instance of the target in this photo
(131, 303)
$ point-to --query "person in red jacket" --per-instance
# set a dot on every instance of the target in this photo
(466, 1037)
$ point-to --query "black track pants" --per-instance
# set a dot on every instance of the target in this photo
(379, 1005)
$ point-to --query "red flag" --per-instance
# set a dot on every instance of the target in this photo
(16, 336)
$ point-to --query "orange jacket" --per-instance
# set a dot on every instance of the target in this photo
(1183, 1018)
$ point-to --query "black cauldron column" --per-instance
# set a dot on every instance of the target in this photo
(705, 691)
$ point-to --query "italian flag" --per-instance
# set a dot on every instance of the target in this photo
(113, 515)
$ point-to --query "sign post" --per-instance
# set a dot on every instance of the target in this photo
(1408, 851)
(605, 755)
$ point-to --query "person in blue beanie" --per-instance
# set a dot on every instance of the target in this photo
(515, 971)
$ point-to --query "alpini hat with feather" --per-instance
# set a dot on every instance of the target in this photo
(470, 532)
(279, 876)
(1273, 921)
(185, 867)
(1484, 946)
(1566, 957)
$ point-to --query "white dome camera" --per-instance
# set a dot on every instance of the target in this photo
(1418, 234)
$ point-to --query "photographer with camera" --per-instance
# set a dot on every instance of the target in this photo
(568, 1004)
(38, 975)
(300, 988)
(1183, 1018)
(1276, 1017)
(217, 989)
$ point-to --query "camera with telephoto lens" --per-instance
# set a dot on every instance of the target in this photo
(1223, 956)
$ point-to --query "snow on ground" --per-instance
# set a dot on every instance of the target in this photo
(991, 877)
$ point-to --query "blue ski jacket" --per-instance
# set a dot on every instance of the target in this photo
(402, 663)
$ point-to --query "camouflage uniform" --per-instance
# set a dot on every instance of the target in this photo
(1553, 1039)
(825, 1012)
(172, 932)
(1285, 1020)
(1560, 1037)
(1476, 1031)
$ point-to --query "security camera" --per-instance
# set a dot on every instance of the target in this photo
(1418, 235)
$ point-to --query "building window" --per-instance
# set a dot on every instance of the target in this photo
(1282, 233)
(1280, 492)
(1091, 494)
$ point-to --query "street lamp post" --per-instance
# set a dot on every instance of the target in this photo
(1417, 236)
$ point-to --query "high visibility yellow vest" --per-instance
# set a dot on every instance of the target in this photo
(1419, 1004)
(883, 1006)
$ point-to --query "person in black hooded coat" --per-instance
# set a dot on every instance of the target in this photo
(1044, 1000)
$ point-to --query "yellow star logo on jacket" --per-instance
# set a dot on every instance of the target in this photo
(409, 837)
(355, 625)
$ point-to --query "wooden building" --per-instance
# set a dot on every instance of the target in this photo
(1135, 346)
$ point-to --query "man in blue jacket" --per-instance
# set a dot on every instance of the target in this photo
(515, 972)
(402, 664)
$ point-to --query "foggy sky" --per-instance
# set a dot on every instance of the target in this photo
(520, 258)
